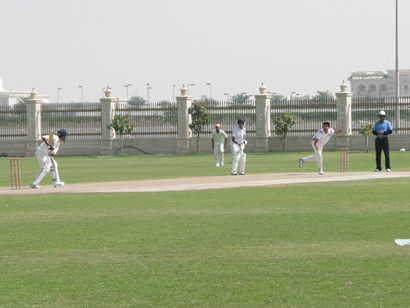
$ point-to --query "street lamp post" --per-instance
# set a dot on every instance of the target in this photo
(127, 85)
(58, 95)
(173, 93)
(210, 90)
(397, 84)
(227, 96)
(192, 84)
(148, 88)
(291, 95)
(81, 93)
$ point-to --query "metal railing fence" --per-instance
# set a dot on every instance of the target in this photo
(310, 114)
(13, 122)
(227, 114)
(81, 120)
(153, 120)
(365, 110)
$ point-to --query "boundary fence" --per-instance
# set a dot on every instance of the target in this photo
(227, 114)
(159, 120)
(365, 110)
(310, 114)
(152, 120)
(81, 120)
(13, 122)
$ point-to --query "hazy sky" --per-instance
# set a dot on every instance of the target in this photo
(290, 45)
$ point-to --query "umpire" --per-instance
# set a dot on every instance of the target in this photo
(382, 129)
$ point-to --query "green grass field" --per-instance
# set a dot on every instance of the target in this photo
(306, 245)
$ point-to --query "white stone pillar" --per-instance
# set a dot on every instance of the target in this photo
(262, 104)
(344, 117)
(184, 102)
(33, 108)
(107, 115)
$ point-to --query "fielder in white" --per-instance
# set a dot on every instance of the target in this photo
(219, 143)
(237, 145)
(44, 154)
(319, 140)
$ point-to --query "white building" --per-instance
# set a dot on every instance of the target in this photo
(379, 83)
(10, 98)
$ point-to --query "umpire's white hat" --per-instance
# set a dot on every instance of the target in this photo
(381, 114)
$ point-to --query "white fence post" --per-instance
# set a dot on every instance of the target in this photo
(344, 117)
(33, 107)
(262, 104)
(184, 102)
(107, 115)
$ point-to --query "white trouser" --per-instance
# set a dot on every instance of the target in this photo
(238, 156)
(47, 164)
(317, 155)
(218, 148)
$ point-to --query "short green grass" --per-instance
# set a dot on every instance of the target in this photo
(79, 169)
(306, 245)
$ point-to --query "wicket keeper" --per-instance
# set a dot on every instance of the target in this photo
(219, 144)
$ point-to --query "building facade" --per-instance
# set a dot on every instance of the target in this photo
(10, 98)
(379, 83)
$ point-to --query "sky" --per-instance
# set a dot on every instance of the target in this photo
(300, 46)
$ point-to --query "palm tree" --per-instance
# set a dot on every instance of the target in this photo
(137, 101)
(276, 98)
(21, 104)
(240, 98)
(324, 95)
(209, 102)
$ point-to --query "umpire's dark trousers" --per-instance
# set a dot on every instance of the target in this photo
(382, 143)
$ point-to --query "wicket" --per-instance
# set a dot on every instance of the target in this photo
(344, 160)
(15, 173)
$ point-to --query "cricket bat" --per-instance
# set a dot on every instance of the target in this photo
(51, 139)
(242, 146)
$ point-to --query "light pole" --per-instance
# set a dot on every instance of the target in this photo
(148, 87)
(81, 93)
(127, 85)
(210, 90)
(173, 93)
(192, 84)
(291, 95)
(397, 85)
(227, 96)
(58, 95)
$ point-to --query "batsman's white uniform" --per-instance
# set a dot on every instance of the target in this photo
(238, 156)
(47, 162)
(317, 153)
(219, 139)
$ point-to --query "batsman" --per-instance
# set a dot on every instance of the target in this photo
(44, 153)
(238, 143)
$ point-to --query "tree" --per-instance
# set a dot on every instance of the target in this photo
(200, 118)
(121, 124)
(21, 104)
(239, 99)
(324, 95)
(137, 101)
(164, 104)
(283, 124)
(366, 130)
(276, 98)
(209, 102)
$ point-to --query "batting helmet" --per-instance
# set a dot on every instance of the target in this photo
(61, 133)
(241, 121)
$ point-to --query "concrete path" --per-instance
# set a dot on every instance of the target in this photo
(206, 182)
